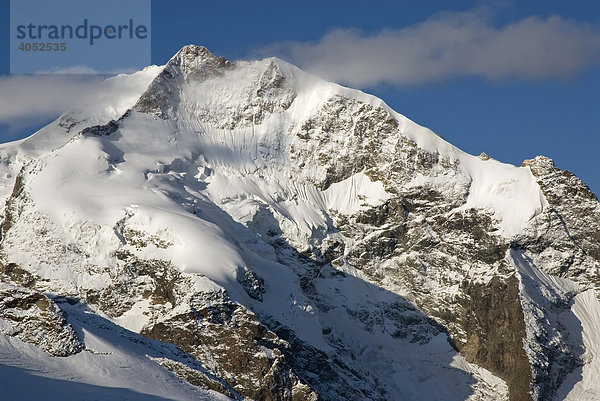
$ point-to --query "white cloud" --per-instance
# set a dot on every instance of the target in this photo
(27, 102)
(86, 70)
(449, 45)
(41, 97)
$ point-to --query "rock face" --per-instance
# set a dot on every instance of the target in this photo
(296, 240)
(571, 224)
(240, 349)
(34, 318)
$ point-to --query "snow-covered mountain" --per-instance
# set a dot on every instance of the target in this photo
(217, 230)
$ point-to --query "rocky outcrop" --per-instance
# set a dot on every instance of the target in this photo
(34, 318)
(235, 346)
(495, 328)
(565, 241)
(259, 96)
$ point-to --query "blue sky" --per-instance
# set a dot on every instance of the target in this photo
(512, 79)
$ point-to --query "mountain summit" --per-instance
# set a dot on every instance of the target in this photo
(218, 230)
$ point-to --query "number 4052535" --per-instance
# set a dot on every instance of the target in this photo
(43, 47)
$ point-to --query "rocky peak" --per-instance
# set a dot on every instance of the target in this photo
(197, 62)
(484, 156)
(544, 169)
(540, 165)
(190, 64)
(574, 213)
(188, 87)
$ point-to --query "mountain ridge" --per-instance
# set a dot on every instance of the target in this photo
(344, 246)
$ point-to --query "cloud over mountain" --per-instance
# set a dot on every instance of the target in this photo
(450, 45)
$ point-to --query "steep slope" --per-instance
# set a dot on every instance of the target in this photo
(298, 240)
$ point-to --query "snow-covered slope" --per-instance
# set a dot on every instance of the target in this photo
(116, 365)
(294, 238)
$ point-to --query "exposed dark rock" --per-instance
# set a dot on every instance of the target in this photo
(100, 130)
(495, 326)
(253, 284)
(15, 273)
(36, 319)
(12, 210)
(236, 346)
(574, 211)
